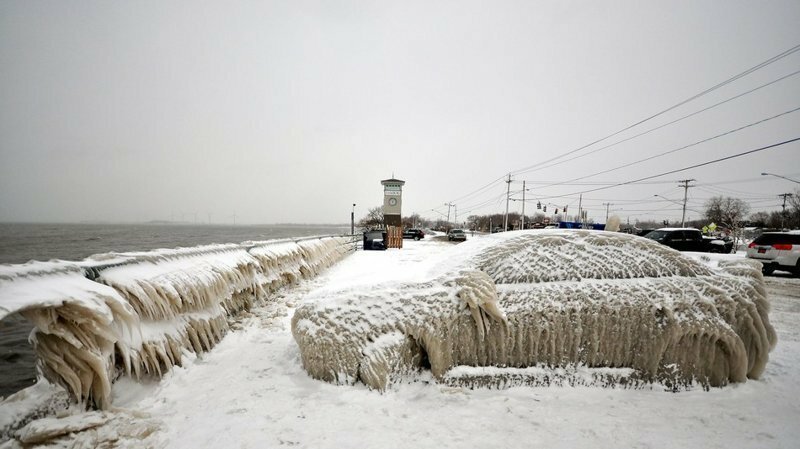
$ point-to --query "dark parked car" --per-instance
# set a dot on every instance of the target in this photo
(412, 233)
(374, 240)
(777, 251)
(689, 239)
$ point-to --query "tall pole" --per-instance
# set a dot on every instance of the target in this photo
(783, 212)
(522, 226)
(580, 211)
(508, 197)
(685, 183)
(607, 205)
(353, 220)
(449, 205)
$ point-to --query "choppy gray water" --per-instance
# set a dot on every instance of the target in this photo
(22, 242)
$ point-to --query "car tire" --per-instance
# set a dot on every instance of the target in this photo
(766, 270)
(416, 237)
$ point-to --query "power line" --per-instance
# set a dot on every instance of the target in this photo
(775, 145)
(681, 103)
(675, 150)
(711, 89)
(658, 127)
(597, 183)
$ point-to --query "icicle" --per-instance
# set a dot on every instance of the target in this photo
(87, 329)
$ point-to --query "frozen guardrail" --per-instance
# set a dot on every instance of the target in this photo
(135, 313)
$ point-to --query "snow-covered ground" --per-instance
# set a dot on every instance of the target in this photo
(251, 391)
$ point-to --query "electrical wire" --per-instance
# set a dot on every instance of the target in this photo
(675, 106)
(675, 150)
(658, 127)
(775, 145)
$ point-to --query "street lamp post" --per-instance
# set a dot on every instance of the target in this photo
(779, 176)
(353, 220)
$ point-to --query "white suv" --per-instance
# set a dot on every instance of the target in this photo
(777, 251)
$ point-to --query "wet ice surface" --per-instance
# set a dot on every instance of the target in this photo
(251, 391)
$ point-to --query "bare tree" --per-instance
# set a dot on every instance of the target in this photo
(373, 219)
(727, 212)
(792, 218)
(415, 221)
(759, 219)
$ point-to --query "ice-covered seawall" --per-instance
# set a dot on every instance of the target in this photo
(135, 313)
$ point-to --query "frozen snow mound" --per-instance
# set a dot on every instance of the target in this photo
(548, 298)
(137, 314)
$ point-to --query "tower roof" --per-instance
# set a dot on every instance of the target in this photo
(392, 181)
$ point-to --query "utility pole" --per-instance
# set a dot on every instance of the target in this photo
(580, 211)
(449, 205)
(685, 184)
(508, 197)
(607, 205)
(522, 226)
(783, 212)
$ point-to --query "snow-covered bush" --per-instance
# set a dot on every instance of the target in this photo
(136, 313)
(554, 298)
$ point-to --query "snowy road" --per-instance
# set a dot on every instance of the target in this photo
(251, 391)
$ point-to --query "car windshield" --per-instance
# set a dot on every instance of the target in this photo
(656, 235)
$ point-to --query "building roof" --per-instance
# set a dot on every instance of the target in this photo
(392, 181)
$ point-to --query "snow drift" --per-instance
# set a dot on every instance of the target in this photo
(547, 298)
(136, 313)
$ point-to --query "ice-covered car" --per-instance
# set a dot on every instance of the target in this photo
(413, 233)
(521, 308)
(456, 235)
(777, 251)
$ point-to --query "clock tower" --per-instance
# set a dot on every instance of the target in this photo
(392, 201)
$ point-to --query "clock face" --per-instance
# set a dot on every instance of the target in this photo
(393, 201)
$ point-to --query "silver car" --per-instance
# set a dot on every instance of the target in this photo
(777, 251)
(456, 235)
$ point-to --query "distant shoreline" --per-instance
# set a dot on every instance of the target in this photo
(168, 222)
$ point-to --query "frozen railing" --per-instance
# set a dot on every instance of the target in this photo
(136, 313)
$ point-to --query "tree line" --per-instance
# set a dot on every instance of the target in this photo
(728, 213)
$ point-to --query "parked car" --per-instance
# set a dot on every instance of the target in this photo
(456, 235)
(689, 239)
(413, 233)
(777, 251)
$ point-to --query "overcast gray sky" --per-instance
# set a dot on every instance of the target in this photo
(292, 111)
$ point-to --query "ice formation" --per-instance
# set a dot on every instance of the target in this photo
(136, 313)
(548, 298)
